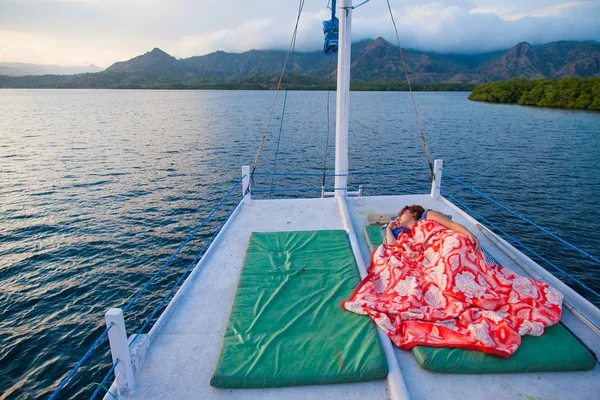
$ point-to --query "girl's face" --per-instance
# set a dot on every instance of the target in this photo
(405, 218)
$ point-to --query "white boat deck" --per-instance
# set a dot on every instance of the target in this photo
(184, 344)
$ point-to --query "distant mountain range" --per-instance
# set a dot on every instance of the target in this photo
(372, 61)
(23, 69)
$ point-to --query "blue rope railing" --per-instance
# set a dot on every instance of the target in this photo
(522, 217)
(130, 303)
(475, 213)
(102, 384)
(139, 332)
(78, 365)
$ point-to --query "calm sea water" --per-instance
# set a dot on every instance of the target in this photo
(99, 187)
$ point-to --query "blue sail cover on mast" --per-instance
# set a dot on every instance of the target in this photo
(330, 29)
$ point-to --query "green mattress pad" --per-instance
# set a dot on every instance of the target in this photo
(556, 350)
(373, 236)
(286, 326)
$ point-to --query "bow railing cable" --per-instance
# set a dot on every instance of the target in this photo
(392, 171)
(475, 213)
(139, 332)
(262, 140)
(412, 96)
(396, 186)
(292, 174)
(130, 303)
(81, 361)
(331, 189)
(102, 384)
(314, 189)
(585, 253)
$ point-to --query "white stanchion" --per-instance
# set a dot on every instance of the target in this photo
(246, 184)
(437, 178)
(119, 349)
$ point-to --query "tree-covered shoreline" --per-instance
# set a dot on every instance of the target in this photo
(254, 82)
(568, 92)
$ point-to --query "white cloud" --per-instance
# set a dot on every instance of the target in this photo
(260, 34)
(560, 9)
(430, 27)
(117, 3)
(103, 31)
(254, 34)
(511, 13)
(49, 48)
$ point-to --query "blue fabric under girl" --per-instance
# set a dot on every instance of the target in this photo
(396, 232)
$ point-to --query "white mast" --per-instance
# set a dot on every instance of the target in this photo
(342, 97)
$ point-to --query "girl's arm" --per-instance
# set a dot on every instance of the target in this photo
(390, 239)
(448, 223)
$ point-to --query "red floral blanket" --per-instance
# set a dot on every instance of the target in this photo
(433, 289)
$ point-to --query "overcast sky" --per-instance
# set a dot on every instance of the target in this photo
(81, 32)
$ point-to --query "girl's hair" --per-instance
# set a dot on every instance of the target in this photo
(416, 210)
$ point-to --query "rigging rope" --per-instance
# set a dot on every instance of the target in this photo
(331, 30)
(287, 86)
(262, 140)
(354, 7)
(328, 101)
(412, 95)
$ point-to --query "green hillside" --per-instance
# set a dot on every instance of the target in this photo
(375, 65)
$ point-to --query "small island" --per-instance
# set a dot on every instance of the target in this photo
(568, 92)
